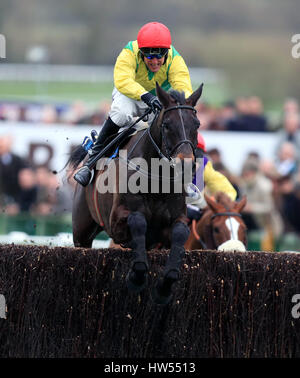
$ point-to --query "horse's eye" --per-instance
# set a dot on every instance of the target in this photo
(196, 123)
(166, 126)
(216, 230)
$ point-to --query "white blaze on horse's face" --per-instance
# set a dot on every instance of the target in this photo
(233, 227)
(233, 244)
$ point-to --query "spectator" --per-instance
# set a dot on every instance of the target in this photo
(10, 112)
(260, 212)
(252, 157)
(203, 113)
(268, 169)
(10, 166)
(228, 115)
(95, 118)
(290, 203)
(250, 116)
(74, 113)
(49, 115)
(46, 196)
(291, 106)
(290, 132)
(287, 162)
(214, 155)
(52, 198)
(28, 189)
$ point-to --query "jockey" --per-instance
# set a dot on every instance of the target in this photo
(206, 177)
(150, 59)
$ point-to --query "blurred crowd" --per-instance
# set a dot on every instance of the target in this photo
(243, 114)
(77, 113)
(28, 189)
(272, 186)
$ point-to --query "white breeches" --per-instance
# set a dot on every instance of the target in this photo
(124, 109)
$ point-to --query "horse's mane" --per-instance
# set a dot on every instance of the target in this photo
(76, 157)
(224, 200)
(178, 96)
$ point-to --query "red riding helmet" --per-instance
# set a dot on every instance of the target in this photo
(154, 34)
(201, 142)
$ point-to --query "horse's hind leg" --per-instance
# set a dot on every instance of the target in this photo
(137, 276)
(84, 227)
(163, 289)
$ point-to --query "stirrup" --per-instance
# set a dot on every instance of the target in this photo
(91, 171)
(92, 175)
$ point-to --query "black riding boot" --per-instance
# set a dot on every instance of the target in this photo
(84, 174)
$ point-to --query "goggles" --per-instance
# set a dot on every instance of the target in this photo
(157, 53)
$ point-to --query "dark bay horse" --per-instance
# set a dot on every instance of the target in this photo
(136, 219)
(220, 227)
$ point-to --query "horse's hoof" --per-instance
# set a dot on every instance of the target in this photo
(161, 299)
(137, 278)
(162, 292)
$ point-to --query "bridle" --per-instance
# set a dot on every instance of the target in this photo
(225, 213)
(228, 214)
(168, 155)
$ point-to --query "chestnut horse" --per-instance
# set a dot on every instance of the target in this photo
(220, 227)
(140, 220)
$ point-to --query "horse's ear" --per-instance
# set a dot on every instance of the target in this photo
(194, 97)
(211, 203)
(241, 204)
(162, 95)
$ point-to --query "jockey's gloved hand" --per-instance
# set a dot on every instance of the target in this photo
(193, 212)
(152, 101)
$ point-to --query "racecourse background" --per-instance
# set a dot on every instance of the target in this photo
(46, 110)
(234, 146)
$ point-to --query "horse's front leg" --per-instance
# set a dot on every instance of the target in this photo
(171, 274)
(138, 274)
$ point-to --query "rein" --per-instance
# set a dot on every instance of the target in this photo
(167, 158)
(196, 234)
(227, 214)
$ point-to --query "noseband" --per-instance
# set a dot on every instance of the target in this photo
(227, 214)
(169, 153)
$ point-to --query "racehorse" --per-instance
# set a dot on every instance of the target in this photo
(142, 220)
(220, 227)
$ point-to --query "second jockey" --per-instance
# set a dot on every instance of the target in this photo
(206, 177)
